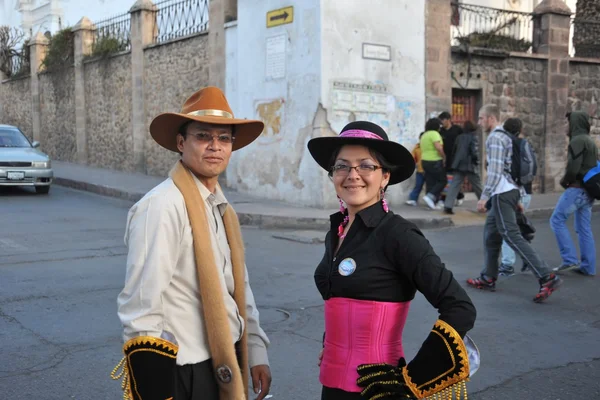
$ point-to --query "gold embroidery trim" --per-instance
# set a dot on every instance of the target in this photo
(136, 341)
(460, 376)
(211, 113)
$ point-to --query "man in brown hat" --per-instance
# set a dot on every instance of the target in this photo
(191, 327)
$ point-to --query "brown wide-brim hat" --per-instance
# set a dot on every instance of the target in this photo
(210, 106)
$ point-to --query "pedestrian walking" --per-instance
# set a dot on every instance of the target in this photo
(465, 164)
(514, 126)
(501, 199)
(413, 197)
(374, 263)
(582, 157)
(191, 326)
(434, 162)
(450, 133)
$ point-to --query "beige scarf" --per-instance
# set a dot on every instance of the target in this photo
(220, 342)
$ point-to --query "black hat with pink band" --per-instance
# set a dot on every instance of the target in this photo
(368, 134)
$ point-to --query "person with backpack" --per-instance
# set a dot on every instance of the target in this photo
(577, 199)
(526, 165)
(464, 165)
(501, 199)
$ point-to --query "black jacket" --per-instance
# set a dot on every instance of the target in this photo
(466, 153)
(393, 261)
(449, 136)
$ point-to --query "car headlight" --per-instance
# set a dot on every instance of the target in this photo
(41, 164)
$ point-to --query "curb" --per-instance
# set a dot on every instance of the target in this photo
(246, 219)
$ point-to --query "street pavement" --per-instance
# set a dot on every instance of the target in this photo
(62, 265)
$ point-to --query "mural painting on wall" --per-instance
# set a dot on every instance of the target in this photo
(271, 113)
(372, 102)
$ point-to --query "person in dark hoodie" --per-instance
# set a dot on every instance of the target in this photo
(464, 165)
(583, 156)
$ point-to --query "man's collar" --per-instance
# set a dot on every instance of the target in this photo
(370, 216)
(215, 199)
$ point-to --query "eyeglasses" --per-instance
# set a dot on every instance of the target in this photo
(208, 138)
(362, 169)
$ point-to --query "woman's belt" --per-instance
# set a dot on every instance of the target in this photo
(360, 332)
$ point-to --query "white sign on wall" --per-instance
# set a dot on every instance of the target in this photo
(275, 57)
(376, 52)
(360, 97)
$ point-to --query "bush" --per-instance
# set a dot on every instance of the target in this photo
(107, 45)
(495, 41)
(60, 51)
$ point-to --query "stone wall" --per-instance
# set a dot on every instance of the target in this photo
(108, 117)
(516, 84)
(57, 106)
(584, 92)
(172, 72)
(15, 105)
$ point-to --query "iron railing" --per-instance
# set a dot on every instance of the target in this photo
(180, 18)
(112, 35)
(19, 63)
(478, 26)
(586, 38)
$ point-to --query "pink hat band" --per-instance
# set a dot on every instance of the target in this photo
(359, 133)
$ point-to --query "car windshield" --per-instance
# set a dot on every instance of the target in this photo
(12, 137)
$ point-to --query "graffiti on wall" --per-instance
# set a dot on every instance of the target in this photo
(271, 113)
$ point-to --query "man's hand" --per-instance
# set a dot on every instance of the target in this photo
(481, 206)
(261, 380)
(320, 358)
(520, 208)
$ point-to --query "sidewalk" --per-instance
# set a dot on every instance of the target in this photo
(253, 211)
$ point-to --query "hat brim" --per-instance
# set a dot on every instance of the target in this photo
(322, 148)
(164, 129)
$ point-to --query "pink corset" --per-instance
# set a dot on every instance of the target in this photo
(360, 332)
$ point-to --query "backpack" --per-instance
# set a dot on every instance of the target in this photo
(591, 182)
(524, 163)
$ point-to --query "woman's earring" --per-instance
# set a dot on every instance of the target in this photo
(384, 201)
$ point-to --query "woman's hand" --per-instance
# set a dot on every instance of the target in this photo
(320, 357)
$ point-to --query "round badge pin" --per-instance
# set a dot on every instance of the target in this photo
(347, 267)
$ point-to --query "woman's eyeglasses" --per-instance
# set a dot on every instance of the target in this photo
(362, 169)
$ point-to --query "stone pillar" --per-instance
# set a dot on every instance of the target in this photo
(219, 12)
(84, 39)
(38, 46)
(143, 25)
(551, 37)
(438, 84)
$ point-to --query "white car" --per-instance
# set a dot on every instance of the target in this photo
(21, 163)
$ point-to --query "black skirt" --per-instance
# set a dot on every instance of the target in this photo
(338, 394)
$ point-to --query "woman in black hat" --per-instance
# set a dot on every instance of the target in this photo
(374, 263)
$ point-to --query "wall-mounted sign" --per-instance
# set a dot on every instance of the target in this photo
(280, 17)
(376, 52)
(275, 57)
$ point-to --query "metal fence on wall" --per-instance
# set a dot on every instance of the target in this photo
(113, 34)
(19, 63)
(493, 28)
(180, 18)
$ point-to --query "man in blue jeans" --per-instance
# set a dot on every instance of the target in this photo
(583, 156)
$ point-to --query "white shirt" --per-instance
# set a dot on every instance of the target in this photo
(161, 292)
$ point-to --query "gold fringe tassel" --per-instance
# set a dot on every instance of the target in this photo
(116, 375)
(457, 391)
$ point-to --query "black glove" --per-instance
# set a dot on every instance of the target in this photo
(383, 381)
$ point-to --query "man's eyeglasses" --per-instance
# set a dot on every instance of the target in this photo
(362, 169)
(208, 138)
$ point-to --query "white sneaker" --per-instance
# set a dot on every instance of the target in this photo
(411, 203)
(459, 202)
(440, 204)
(429, 202)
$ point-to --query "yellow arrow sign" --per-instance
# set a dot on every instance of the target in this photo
(280, 17)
